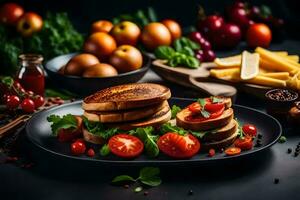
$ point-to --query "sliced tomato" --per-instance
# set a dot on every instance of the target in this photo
(178, 146)
(194, 107)
(125, 146)
(244, 143)
(200, 118)
(250, 130)
(215, 110)
(212, 108)
(232, 151)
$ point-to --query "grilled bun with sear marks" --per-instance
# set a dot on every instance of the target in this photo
(126, 96)
(159, 118)
(125, 115)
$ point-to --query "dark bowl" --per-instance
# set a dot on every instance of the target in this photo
(85, 86)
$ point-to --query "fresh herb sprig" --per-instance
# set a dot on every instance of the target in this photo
(168, 127)
(181, 55)
(174, 110)
(104, 151)
(68, 121)
(97, 128)
(149, 139)
(148, 176)
(203, 112)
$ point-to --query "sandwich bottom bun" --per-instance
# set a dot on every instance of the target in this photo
(220, 144)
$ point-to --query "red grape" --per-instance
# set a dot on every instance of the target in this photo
(209, 56)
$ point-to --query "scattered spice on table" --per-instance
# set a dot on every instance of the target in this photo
(289, 150)
(296, 154)
(191, 192)
(276, 180)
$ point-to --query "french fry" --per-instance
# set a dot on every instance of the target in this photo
(277, 75)
(278, 62)
(267, 81)
(281, 53)
(222, 73)
(293, 58)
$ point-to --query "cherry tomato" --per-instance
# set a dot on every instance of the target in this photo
(78, 148)
(91, 152)
(10, 13)
(259, 35)
(27, 105)
(232, 151)
(12, 101)
(39, 101)
(178, 146)
(211, 152)
(125, 146)
(249, 130)
(244, 143)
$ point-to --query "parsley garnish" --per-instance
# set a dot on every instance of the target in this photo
(203, 112)
(216, 100)
(240, 130)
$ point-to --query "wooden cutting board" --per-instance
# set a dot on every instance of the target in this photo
(195, 78)
(200, 79)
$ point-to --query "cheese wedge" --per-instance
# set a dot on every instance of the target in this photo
(249, 65)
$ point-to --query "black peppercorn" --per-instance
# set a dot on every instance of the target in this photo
(289, 150)
(191, 192)
(296, 154)
(276, 180)
(259, 136)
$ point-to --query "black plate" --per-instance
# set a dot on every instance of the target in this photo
(39, 132)
(85, 86)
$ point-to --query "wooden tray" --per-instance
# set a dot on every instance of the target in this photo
(199, 79)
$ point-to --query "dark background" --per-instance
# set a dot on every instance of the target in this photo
(84, 12)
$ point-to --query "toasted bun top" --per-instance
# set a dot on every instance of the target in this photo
(126, 96)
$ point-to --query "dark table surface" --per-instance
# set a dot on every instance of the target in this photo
(252, 178)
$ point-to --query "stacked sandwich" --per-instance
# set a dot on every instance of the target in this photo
(217, 132)
(129, 106)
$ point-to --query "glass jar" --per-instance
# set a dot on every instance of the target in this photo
(31, 74)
